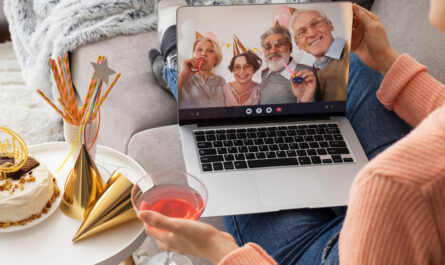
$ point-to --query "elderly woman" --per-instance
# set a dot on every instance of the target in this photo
(243, 91)
(198, 86)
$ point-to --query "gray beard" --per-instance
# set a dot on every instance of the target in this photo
(278, 66)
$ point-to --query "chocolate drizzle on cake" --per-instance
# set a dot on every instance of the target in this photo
(30, 164)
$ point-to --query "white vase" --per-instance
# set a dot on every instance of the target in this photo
(71, 133)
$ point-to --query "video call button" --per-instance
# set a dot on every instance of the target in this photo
(259, 110)
(248, 111)
(268, 110)
(278, 109)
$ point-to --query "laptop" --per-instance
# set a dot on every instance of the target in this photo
(267, 154)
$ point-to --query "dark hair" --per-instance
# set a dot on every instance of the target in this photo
(251, 58)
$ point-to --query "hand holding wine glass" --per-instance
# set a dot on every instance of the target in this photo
(180, 199)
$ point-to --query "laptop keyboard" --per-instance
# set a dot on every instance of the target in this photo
(271, 146)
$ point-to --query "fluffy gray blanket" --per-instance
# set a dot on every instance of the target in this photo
(43, 29)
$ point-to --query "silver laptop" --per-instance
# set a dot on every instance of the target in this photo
(267, 151)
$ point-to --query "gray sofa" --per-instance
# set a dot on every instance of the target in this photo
(139, 117)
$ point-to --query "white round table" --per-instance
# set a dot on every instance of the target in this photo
(49, 241)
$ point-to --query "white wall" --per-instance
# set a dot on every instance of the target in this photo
(249, 23)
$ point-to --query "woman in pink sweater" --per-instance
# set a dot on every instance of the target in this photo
(396, 213)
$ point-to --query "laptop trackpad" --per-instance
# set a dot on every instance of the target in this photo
(289, 189)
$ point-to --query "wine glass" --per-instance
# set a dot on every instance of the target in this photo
(173, 194)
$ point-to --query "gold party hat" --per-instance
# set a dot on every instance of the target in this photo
(238, 46)
(198, 36)
(83, 188)
(292, 10)
(112, 208)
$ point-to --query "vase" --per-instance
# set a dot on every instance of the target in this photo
(87, 137)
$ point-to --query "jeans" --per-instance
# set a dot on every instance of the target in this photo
(309, 236)
(171, 77)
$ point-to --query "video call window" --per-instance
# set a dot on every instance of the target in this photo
(265, 54)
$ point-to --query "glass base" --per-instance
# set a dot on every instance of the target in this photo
(161, 258)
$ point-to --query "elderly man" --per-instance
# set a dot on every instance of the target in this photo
(276, 87)
(312, 32)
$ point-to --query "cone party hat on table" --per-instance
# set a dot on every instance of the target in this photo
(83, 188)
(111, 209)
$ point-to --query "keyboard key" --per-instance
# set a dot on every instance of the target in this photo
(314, 145)
(207, 152)
(312, 152)
(302, 126)
(272, 128)
(304, 160)
(260, 155)
(324, 144)
(316, 159)
(207, 167)
(210, 132)
(250, 156)
(322, 151)
(199, 132)
(291, 153)
(217, 144)
(291, 132)
(338, 137)
(337, 158)
(301, 153)
(231, 136)
(252, 129)
(261, 134)
(299, 139)
(348, 159)
(281, 133)
(288, 139)
(269, 141)
(337, 144)
(282, 127)
(281, 154)
(231, 131)
(327, 161)
(258, 141)
(243, 149)
(240, 157)
(210, 137)
(304, 145)
(271, 134)
(232, 150)
(253, 149)
(228, 165)
(320, 131)
(271, 155)
(328, 137)
(229, 157)
(263, 148)
(240, 164)
(332, 130)
(311, 131)
(301, 132)
(308, 138)
(272, 162)
(238, 142)
(337, 151)
(205, 145)
(248, 142)
(283, 146)
(294, 146)
(221, 131)
(222, 151)
(221, 137)
(200, 138)
(332, 125)
(241, 136)
(273, 147)
(251, 135)
(262, 129)
(227, 143)
(279, 140)
(217, 166)
(241, 130)
(312, 126)
(318, 138)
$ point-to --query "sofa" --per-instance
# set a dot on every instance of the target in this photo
(139, 117)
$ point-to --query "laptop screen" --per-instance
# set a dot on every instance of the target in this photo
(243, 62)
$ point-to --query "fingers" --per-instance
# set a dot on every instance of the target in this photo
(364, 16)
(160, 221)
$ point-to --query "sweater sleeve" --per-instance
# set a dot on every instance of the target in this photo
(248, 254)
(395, 212)
(410, 91)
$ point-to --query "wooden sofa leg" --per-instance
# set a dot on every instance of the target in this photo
(129, 261)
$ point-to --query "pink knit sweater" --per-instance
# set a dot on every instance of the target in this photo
(396, 213)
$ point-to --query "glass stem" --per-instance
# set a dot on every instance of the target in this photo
(169, 259)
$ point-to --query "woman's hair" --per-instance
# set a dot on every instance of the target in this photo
(251, 58)
(216, 48)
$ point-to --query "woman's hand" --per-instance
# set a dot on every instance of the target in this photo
(188, 237)
(305, 90)
(369, 41)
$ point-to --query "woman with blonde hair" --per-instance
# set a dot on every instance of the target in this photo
(198, 86)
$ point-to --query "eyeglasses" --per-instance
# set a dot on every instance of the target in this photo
(245, 67)
(302, 33)
(278, 44)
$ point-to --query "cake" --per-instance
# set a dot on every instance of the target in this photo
(27, 193)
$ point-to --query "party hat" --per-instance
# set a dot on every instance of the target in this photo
(238, 46)
(277, 24)
(292, 10)
(83, 187)
(111, 209)
(198, 36)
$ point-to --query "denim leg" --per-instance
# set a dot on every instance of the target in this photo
(171, 77)
(376, 127)
(286, 235)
